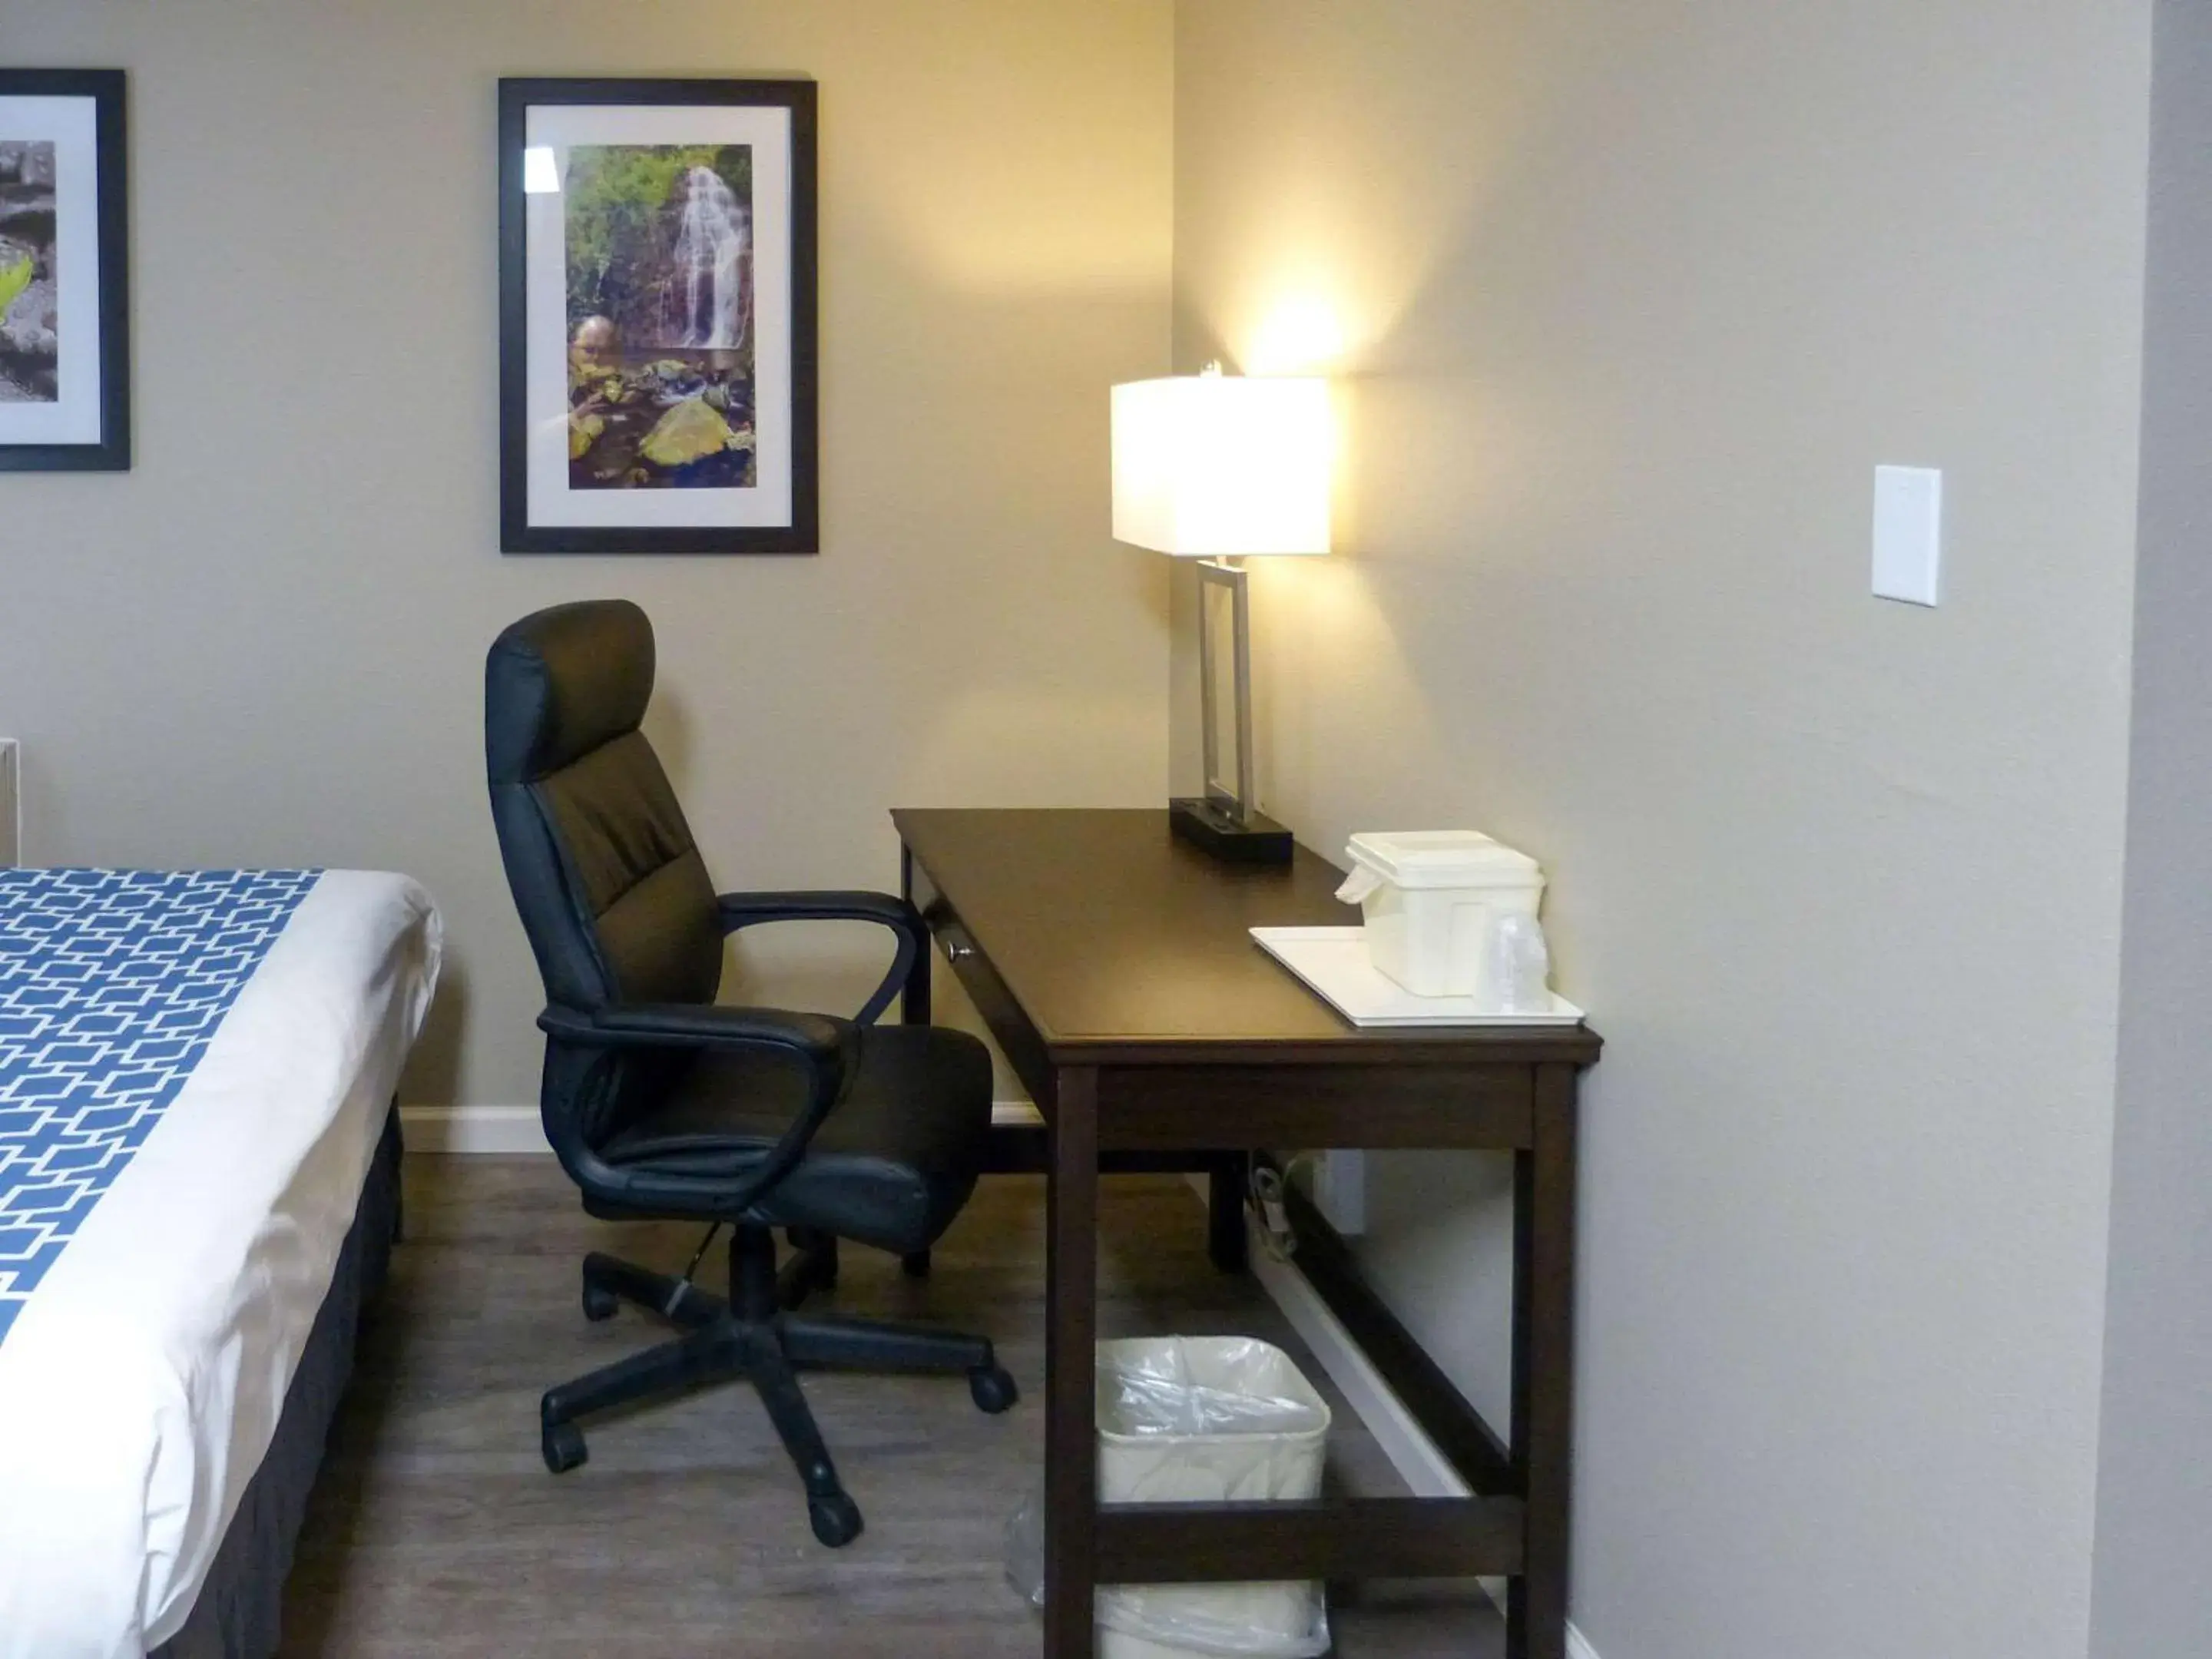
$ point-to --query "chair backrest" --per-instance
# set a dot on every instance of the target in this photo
(612, 892)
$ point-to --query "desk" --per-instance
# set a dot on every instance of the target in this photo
(1111, 962)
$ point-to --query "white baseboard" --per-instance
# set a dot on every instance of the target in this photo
(470, 1130)
(473, 1129)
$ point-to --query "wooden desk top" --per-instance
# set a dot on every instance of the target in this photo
(1117, 938)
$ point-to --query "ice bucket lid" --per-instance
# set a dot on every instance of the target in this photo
(1442, 858)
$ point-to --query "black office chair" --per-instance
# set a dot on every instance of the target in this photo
(663, 1105)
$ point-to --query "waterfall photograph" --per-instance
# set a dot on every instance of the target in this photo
(30, 346)
(659, 268)
(658, 323)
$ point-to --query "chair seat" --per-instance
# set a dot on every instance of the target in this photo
(891, 1166)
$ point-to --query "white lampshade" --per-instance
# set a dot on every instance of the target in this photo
(1208, 465)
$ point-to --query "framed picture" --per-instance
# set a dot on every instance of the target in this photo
(658, 370)
(64, 293)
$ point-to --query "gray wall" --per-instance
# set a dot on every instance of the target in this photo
(266, 643)
(2153, 1492)
(1628, 301)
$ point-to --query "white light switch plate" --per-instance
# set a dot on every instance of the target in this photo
(1908, 533)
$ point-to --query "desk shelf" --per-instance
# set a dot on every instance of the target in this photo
(1339, 1538)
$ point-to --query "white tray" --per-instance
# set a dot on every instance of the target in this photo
(1332, 961)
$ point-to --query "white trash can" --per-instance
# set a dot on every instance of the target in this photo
(1429, 898)
(1201, 1420)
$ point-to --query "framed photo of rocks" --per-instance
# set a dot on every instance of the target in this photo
(658, 367)
(64, 296)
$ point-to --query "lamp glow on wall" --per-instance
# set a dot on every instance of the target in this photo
(1218, 467)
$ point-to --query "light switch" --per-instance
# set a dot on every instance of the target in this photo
(1908, 533)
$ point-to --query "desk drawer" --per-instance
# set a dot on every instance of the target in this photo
(1024, 1049)
(1415, 1107)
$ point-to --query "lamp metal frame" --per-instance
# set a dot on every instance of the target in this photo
(1236, 798)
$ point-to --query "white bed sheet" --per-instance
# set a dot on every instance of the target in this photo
(140, 1386)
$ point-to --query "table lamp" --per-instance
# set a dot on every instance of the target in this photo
(1217, 467)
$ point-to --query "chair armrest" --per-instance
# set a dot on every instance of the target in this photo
(743, 910)
(885, 909)
(821, 1043)
(819, 1039)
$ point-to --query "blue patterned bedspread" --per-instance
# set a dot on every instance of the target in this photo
(112, 982)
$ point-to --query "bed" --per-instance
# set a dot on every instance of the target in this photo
(198, 1167)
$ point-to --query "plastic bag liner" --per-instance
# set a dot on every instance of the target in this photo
(1197, 1419)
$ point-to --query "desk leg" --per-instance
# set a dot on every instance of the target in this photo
(1226, 1182)
(914, 995)
(1544, 1366)
(1070, 1328)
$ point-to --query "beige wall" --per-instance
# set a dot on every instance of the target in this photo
(1628, 301)
(266, 643)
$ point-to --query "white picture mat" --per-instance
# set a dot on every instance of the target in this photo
(69, 124)
(545, 330)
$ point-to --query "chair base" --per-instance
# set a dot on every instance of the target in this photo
(757, 1334)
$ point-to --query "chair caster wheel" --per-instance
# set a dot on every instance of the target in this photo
(835, 1516)
(564, 1445)
(992, 1389)
(600, 1303)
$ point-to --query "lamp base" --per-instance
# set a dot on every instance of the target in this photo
(1254, 839)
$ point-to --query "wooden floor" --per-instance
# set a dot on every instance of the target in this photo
(436, 1533)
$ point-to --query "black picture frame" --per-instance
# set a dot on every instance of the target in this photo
(105, 89)
(518, 96)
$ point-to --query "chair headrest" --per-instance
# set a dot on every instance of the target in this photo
(562, 682)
